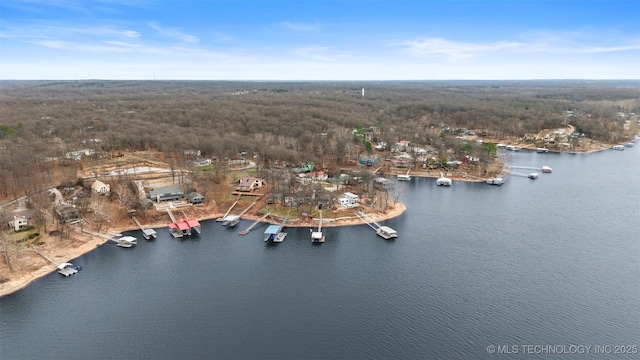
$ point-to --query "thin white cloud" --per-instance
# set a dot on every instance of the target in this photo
(173, 33)
(64, 32)
(103, 47)
(299, 26)
(437, 47)
(455, 50)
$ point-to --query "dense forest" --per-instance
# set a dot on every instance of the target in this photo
(289, 121)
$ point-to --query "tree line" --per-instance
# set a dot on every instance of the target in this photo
(283, 121)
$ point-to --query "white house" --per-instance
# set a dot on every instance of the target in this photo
(349, 199)
(100, 187)
(18, 223)
(353, 198)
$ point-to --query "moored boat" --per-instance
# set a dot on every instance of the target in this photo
(68, 269)
(542, 150)
(443, 181)
(495, 181)
(618, 147)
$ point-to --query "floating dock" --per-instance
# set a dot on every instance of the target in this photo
(228, 211)
(316, 236)
(147, 233)
(274, 232)
(64, 269)
(382, 231)
(233, 220)
(230, 220)
(183, 228)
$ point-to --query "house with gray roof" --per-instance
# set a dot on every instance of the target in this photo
(166, 193)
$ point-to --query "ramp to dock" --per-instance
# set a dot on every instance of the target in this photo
(228, 211)
(249, 207)
(103, 236)
(246, 231)
(147, 233)
(368, 220)
(173, 218)
(43, 255)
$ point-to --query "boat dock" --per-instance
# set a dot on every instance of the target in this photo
(274, 232)
(545, 169)
(246, 231)
(228, 211)
(382, 231)
(178, 228)
(147, 233)
(184, 227)
(233, 220)
(64, 269)
(317, 236)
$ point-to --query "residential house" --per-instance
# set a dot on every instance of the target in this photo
(100, 188)
(303, 169)
(18, 223)
(68, 213)
(368, 160)
(248, 184)
(202, 162)
(381, 183)
(166, 193)
(349, 199)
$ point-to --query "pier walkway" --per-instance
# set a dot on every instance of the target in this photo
(147, 233)
(173, 218)
(246, 231)
(43, 255)
(381, 230)
(228, 211)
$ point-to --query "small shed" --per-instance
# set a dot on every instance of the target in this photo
(196, 198)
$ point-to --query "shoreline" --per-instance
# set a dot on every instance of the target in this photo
(83, 243)
(87, 243)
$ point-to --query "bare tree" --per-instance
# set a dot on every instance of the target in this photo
(98, 205)
(7, 245)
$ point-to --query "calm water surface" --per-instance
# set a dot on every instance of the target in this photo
(555, 261)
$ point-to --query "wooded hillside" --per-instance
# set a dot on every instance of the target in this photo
(289, 121)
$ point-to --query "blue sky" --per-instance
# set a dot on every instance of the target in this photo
(319, 40)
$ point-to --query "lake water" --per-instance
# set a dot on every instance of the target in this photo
(553, 261)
